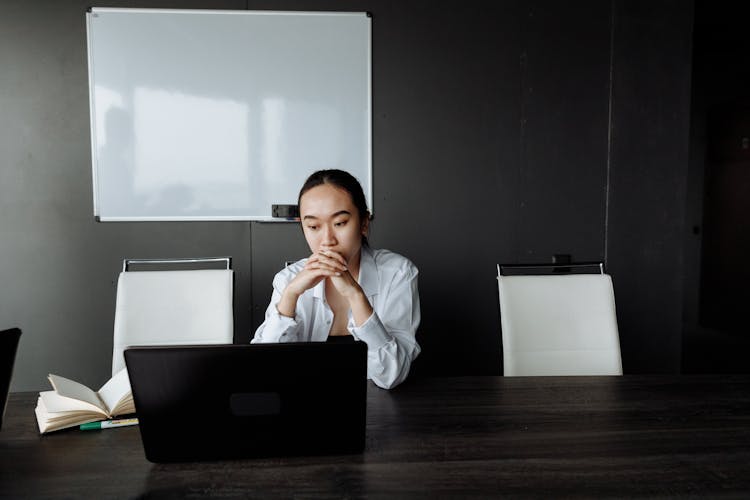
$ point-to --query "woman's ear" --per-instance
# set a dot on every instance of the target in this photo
(366, 224)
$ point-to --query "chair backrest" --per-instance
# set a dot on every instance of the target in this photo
(8, 346)
(559, 325)
(172, 308)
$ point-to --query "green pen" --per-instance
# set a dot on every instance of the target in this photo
(108, 424)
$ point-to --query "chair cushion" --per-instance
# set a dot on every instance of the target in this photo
(172, 307)
(559, 325)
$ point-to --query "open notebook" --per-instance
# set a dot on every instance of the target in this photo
(71, 403)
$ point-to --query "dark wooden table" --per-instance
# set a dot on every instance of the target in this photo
(631, 436)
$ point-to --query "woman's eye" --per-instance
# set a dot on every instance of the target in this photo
(341, 223)
(312, 228)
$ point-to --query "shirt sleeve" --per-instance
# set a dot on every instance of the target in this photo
(391, 334)
(276, 327)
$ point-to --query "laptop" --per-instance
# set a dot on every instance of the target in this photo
(8, 346)
(216, 402)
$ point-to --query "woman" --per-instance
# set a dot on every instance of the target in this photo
(345, 290)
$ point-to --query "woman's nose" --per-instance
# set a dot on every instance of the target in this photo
(329, 238)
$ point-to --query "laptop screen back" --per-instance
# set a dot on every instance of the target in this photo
(236, 401)
(8, 347)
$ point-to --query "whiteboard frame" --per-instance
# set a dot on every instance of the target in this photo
(368, 188)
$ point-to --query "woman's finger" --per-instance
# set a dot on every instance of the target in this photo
(333, 258)
(319, 267)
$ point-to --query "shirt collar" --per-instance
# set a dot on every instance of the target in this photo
(368, 276)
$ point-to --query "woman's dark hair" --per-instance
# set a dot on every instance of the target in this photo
(343, 180)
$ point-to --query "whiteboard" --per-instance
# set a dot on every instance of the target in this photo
(218, 115)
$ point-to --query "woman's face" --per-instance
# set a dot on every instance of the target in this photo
(330, 221)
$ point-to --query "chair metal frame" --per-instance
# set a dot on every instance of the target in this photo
(556, 268)
(185, 260)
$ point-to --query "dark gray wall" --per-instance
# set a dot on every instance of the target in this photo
(648, 175)
(715, 334)
(58, 268)
(503, 132)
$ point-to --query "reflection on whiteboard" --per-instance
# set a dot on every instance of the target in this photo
(218, 115)
(164, 123)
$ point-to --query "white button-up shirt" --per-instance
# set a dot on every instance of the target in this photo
(389, 281)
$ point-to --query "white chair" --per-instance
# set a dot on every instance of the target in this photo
(172, 307)
(559, 324)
